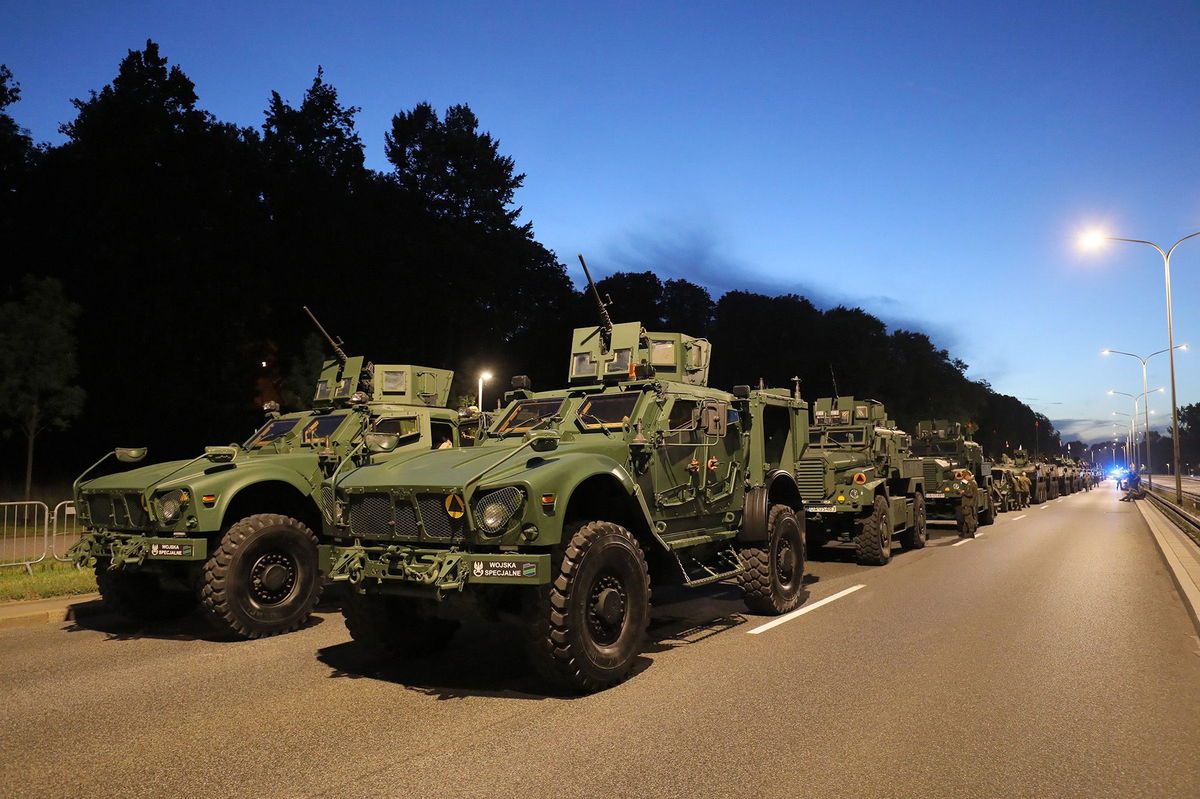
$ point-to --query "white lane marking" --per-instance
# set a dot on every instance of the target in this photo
(964, 541)
(1043, 507)
(789, 616)
(1019, 518)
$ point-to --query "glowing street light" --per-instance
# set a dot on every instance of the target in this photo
(1146, 415)
(1149, 468)
(482, 377)
(1093, 239)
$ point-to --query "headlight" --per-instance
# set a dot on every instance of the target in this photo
(494, 510)
(172, 505)
(855, 493)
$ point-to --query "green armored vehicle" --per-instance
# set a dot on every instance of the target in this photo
(860, 483)
(233, 529)
(571, 502)
(1038, 475)
(966, 495)
(1006, 486)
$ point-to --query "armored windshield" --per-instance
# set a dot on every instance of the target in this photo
(935, 448)
(313, 431)
(607, 410)
(527, 414)
(834, 438)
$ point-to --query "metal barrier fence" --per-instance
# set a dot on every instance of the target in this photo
(64, 529)
(24, 533)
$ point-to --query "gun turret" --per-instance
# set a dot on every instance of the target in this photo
(606, 322)
(335, 343)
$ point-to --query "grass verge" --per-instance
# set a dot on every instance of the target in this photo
(49, 579)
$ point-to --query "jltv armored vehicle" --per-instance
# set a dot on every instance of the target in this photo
(965, 495)
(860, 483)
(571, 502)
(233, 529)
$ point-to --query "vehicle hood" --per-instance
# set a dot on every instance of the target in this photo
(436, 468)
(839, 459)
(196, 473)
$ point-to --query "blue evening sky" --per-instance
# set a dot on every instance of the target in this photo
(930, 162)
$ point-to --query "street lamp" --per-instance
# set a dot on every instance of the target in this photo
(1183, 347)
(482, 377)
(1130, 434)
(1094, 239)
(1146, 430)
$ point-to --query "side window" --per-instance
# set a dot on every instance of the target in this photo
(467, 433)
(683, 415)
(443, 435)
(407, 427)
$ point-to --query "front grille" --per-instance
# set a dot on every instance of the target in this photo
(370, 514)
(438, 523)
(406, 521)
(810, 479)
(118, 511)
(933, 476)
(328, 504)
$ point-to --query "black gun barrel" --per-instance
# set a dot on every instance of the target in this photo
(336, 344)
(605, 319)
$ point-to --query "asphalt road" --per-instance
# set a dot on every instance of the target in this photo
(1050, 657)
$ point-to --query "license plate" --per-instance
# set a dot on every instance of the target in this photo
(821, 509)
(171, 550)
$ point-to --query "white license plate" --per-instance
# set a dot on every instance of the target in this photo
(821, 509)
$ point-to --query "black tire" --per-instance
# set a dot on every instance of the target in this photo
(262, 578)
(395, 628)
(587, 627)
(138, 595)
(988, 515)
(774, 576)
(873, 546)
(916, 536)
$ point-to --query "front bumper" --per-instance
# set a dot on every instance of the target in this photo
(129, 550)
(436, 569)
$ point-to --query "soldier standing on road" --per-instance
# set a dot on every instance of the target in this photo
(1023, 486)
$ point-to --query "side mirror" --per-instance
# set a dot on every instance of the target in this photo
(130, 454)
(713, 420)
(542, 440)
(382, 442)
(220, 454)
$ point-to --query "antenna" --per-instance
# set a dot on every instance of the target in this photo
(335, 343)
(834, 378)
(606, 321)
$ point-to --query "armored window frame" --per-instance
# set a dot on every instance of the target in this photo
(624, 403)
(543, 408)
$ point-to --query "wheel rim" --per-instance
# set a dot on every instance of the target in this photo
(608, 604)
(787, 557)
(272, 578)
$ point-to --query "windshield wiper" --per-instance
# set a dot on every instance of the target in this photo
(599, 423)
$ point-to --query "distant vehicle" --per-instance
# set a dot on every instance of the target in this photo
(861, 484)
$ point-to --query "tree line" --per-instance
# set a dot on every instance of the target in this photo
(180, 248)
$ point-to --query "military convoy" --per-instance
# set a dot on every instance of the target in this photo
(236, 529)
(557, 515)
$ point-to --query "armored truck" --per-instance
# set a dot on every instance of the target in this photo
(1038, 475)
(860, 483)
(966, 495)
(572, 502)
(234, 529)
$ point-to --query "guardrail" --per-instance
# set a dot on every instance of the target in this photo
(1181, 518)
(64, 529)
(24, 534)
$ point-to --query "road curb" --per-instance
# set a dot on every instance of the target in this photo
(1161, 527)
(53, 611)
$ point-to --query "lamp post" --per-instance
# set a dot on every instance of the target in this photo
(1130, 433)
(1149, 467)
(1093, 240)
(1145, 395)
(482, 377)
